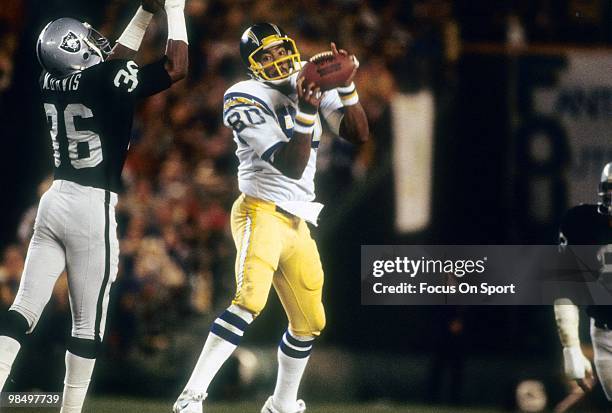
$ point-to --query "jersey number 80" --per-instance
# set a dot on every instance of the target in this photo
(240, 119)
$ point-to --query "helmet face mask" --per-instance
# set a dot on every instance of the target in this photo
(273, 70)
(605, 191)
(259, 38)
(67, 45)
(97, 42)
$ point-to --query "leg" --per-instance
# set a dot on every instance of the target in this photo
(45, 261)
(299, 284)
(602, 346)
(258, 252)
(92, 260)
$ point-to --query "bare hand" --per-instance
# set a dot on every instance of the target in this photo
(152, 6)
(588, 382)
(580, 390)
(343, 52)
(309, 96)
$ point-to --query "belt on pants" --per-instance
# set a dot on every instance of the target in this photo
(282, 211)
(269, 205)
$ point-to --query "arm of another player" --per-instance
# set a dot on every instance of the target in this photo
(131, 81)
(176, 49)
(576, 365)
(292, 157)
(354, 126)
(176, 60)
(129, 42)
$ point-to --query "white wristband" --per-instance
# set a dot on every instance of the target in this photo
(134, 32)
(304, 122)
(567, 318)
(177, 30)
(348, 94)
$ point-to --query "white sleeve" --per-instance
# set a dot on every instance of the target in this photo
(567, 318)
(255, 126)
(332, 110)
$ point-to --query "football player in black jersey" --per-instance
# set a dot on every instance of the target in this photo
(589, 225)
(88, 93)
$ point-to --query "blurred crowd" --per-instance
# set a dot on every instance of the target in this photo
(177, 254)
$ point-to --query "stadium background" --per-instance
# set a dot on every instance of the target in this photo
(490, 162)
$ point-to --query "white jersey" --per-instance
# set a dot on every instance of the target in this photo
(262, 116)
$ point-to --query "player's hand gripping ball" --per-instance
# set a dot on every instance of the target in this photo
(329, 70)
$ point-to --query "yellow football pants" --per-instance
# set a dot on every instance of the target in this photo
(275, 248)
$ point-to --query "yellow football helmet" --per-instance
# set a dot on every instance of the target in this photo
(263, 36)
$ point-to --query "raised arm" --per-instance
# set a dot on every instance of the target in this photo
(129, 42)
(292, 157)
(176, 49)
(354, 126)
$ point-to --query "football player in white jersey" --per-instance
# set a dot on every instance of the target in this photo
(277, 122)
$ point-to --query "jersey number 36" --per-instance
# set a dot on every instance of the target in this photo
(84, 146)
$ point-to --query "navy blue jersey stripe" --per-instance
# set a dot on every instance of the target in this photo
(225, 334)
(265, 107)
(234, 320)
(241, 105)
(268, 153)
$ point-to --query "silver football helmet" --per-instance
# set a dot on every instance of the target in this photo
(67, 45)
(605, 190)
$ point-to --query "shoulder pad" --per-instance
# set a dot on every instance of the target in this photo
(249, 92)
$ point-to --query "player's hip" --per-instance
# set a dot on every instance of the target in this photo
(72, 190)
(68, 210)
(262, 230)
(261, 213)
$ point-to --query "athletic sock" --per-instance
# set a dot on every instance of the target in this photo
(224, 337)
(76, 382)
(9, 347)
(293, 355)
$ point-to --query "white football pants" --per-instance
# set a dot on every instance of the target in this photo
(75, 230)
(602, 346)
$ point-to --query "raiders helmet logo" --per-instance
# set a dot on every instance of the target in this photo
(71, 43)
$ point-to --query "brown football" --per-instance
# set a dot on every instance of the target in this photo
(328, 71)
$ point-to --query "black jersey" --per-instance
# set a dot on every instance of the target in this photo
(89, 114)
(584, 225)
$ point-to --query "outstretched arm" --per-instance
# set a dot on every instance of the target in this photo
(354, 126)
(176, 49)
(129, 42)
(176, 61)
